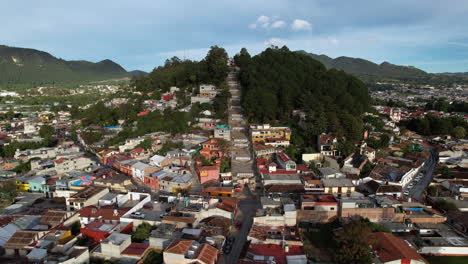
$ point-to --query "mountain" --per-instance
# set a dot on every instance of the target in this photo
(457, 74)
(368, 70)
(30, 66)
(138, 73)
(371, 72)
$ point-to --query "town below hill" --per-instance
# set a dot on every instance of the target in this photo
(272, 158)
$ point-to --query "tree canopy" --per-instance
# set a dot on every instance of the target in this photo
(277, 84)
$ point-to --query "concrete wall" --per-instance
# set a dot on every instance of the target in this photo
(374, 214)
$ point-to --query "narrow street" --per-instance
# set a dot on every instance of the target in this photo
(428, 171)
(243, 172)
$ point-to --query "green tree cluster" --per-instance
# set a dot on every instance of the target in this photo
(445, 106)
(185, 74)
(277, 82)
(379, 143)
(142, 232)
(433, 125)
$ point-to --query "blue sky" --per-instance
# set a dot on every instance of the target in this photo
(141, 34)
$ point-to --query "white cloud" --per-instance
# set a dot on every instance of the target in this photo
(274, 42)
(299, 24)
(261, 22)
(278, 24)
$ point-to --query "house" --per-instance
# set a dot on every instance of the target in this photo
(85, 197)
(159, 161)
(354, 163)
(20, 243)
(189, 251)
(104, 214)
(264, 133)
(53, 218)
(113, 245)
(37, 184)
(98, 231)
(140, 169)
(71, 163)
(376, 189)
(211, 148)
(285, 161)
(273, 253)
(208, 173)
(317, 208)
(339, 186)
(391, 249)
(264, 150)
(222, 131)
(328, 145)
(173, 183)
(116, 183)
(276, 212)
(366, 207)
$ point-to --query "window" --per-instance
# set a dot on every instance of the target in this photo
(332, 208)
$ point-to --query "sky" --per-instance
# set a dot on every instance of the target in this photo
(142, 34)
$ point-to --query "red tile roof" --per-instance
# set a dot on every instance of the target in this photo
(276, 251)
(179, 246)
(390, 248)
(207, 254)
(135, 249)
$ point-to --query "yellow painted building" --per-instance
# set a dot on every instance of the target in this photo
(22, 186)
(260, 133)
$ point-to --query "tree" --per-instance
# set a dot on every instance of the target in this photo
(225, 165)
(46, 131)
(459, 132)
(446, 205)
(147, 143)
(9, 191)
(142, 232)
(75, 228)
(153, 257)
(223, 146)
(216, 61)
(353, 243)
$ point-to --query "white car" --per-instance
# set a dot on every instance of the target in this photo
(137, 215)
(406, 192)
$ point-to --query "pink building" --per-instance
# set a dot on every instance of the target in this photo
(208, 173)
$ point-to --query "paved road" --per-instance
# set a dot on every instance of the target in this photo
(247, 208)
(428, 170)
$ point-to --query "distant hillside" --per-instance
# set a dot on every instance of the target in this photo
(369, 71)
(30, 66)
(138, 73)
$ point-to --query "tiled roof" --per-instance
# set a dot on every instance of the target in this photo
(20, 239)
(53, 218)
(390, 248)
(135, 249)
(207, 254)
(179, 246)
(276, 251)
(189, 220)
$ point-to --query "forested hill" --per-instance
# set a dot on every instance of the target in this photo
(369, 71)
(30, 66)
(278, 81)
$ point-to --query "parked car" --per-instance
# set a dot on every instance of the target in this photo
(238, 225)
(138, 215)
